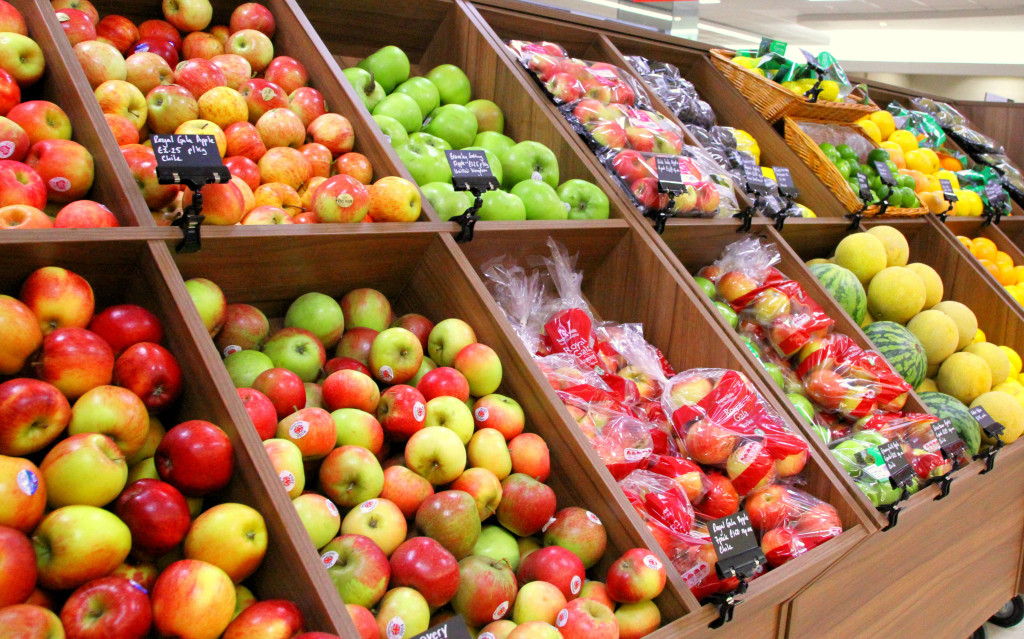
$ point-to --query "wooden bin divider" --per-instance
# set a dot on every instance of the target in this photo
(64, 84)
(295, 37)
(612, 262)
(1013, 229)
(422, 271)
(139, 272)
(444, 32)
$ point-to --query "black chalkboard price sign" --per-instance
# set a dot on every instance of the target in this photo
(995, 194)
(470, 170)
(755, 178)
(884, 173)
(785, 181)
(739, 554)
(991, 427)
(188, 159)
(670, 174)
(453, 628)
(949, 440)
(900, 472)
(947, 190)
(865, 188)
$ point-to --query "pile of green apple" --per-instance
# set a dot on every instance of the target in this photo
(414, 478)
(423, 116)
(110, 531)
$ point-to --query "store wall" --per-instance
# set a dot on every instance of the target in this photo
(956, 87)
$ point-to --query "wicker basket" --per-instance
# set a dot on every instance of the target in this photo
(815, 158)
(773, 101)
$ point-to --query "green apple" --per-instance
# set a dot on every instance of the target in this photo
(428, 364)
(802, 405)
(492, 160)
(448, 203)
(488, 116)
(586, 200)
(728, 314)
(89, 469)
(426, 163)
(541, 201)
(437, 454)
(402, 108)
(498, 544)
(423, 91)
(403, 612)
(389, 66)
(451, 413)
(392, 130)
(706, 285)
(245, 366)
(320, 315)
(454, 123)
(500, 206)
(430, 140)
(529, 160)
(496, 143)
(451, 83)
(369, 90)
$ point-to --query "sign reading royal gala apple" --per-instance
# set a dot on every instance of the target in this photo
(470, 170)
(670, 173)
(453, 628)
(182, 158)
(949, 440)
(739, 554)
(785, 181)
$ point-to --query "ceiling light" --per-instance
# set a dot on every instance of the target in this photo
(827, 0)
(883, 24)
(629, 9)
(710, 1)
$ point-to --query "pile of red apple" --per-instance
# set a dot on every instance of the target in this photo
(638, 173)
(290, 159)
(686, 448)
(401, 443)
(103, 527)
(41, 167)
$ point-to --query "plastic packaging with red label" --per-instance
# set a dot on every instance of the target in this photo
(699, 189)
(569, 79)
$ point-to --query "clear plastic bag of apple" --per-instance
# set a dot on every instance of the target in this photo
(620, 126)
(921, 446)
(868, 474)
(790, 522)
(703, 191)
(569, 79)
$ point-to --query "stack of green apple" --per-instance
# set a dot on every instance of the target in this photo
(423, 116)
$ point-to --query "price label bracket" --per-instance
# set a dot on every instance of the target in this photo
(670, 173)
(739, 553)
(885, 173)
(470, 170)
(785, 181)
(950, 443)
(901, 474)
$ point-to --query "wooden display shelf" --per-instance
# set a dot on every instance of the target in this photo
(420, 271)
(435, 32)
(65, 85)
(501, 25)
(295, 37)
(142, 273)
(941, 572)
(733, 110)
(975, 227)
(614, 262)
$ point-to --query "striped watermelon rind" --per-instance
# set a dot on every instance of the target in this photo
(946, 407)
(844, 287)
(904, 351)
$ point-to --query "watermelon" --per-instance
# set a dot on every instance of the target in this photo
(844, 287)
(946, 407)
(904, 352)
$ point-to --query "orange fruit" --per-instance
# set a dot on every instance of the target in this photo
(1018, 272)
(984, 249)
(966, 241)
(950, 163)
(1005, 274)
(989, 266)
(1003, 258)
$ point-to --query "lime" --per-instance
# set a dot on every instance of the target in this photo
(832, 155)
(893, 169)
(878, 155)
(869, 170)
(908, 198)
(876, 183)
(906, 180)
(826, 147)
(846, 151)
(844, 168)
(706, 285)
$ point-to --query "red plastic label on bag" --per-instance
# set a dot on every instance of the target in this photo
(571, 332)
(732, 404)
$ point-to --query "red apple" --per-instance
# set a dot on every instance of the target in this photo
(18, 567)
(341, 199)
(362, 619)
(195, 457)
(75, 360)
(287, 73)
(14, 142)
(401, 411)
(32, 415)
(253, 15)
(11, 20)
(451, 518)
(27, 621)
(59, 298)
(236, 69)
(17, 216)
(505, 415)
(720, 499)
(21, 185)
(117, 31)
(151, 372)
(350, 389)
(199, 44)
(635, 576)
(284, 388)
(444, 381)
(333, 131)
(269, 619)
(312, 430)
(781, 545)
(336, 364)
(85, 214)
(262, 96)
(107, 607)
(193, 598)
(143, 168)
(487, 589)
(261, 412)
(76, 25)
(307, 103)
(587, 619)
(709, 443)
(358, 568)
(769, 508)
(530, 456)
(246, 170)
(358, 166)
(157, 515)
(406, 489)
(356, 343)
(65, 166)
(24, 494)
(817, 525)
(526, 504)
(425, 565)
(580, 531)
(555, 565)
(126, 324)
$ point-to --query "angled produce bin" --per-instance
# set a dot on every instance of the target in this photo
(142, 273)
(423, 272)
(609, 263)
